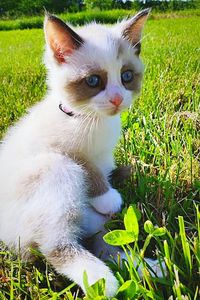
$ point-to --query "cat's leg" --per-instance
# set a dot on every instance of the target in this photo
(53, 213)
(103, 198)
(72, 260)
(109, 201)
(104, 201)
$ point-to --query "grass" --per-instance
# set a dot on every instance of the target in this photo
(83, 17)
(160, 139)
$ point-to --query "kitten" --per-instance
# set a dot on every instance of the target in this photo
(56, 162)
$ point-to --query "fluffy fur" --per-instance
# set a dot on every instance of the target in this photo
(43, 187)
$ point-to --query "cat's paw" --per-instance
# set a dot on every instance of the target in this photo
(97, 271)
(111, 283)
(108, 203)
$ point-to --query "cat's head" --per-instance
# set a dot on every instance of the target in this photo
(96, 68)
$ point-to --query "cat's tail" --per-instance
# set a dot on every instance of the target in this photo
(73, 260)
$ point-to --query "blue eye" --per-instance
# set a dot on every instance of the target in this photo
(127, 76)
(93, 80)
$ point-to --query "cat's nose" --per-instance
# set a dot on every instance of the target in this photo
(116, 100)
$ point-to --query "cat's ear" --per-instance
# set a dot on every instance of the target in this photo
(60, 37)
(133, 29)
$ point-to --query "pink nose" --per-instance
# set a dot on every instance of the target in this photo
(116, 100)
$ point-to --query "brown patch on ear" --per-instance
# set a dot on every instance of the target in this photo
(133, 30)
(97, 184)
(135, 84)
(79, 90)
(60, 37)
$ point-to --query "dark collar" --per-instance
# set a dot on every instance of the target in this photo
(66, 110)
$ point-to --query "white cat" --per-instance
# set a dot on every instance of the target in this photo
(55, 163)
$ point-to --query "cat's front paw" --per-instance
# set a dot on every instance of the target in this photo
(98, 272)
(108, 203)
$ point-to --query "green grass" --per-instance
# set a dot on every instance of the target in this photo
(160, 139)
(80, 18)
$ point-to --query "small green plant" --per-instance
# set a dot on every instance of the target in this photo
(127, 236)
(132, 288)
(96, 291)
(173, 276)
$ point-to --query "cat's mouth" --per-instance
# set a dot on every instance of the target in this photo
(110, 111)
(115, 111)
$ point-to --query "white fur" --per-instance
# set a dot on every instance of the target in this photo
(93, 222)
(108, 203)
(96, 270)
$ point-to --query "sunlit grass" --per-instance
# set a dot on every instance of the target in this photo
(80, 18)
